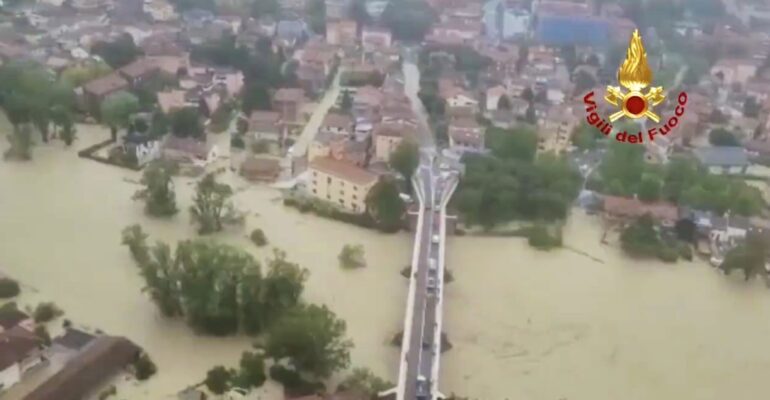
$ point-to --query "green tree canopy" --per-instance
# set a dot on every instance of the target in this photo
(504, 103)
(117, 109)
(218, 379)
(405, 159)
(723, 137)
(212, 206)
(252, 372)
(365, 381)
(495, 191)
(118, 53)
(352, 256)
(80, 74)
(385, 205)
(409, 20)
(749, 257)
(316, 12)
(347, 101)
(313, 340)
(586, 137)
(520, 143)
(158, 194)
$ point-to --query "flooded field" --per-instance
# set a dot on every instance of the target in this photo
(525, 324)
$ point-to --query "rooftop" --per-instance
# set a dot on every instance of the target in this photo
(722, 156)
(15, 344)
(101, 359)
(343, 170)
(105, 85)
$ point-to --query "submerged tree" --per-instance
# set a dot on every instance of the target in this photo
(365, 381)
(281, 287)
(117, 109)
(352, 256)
(21, 143)
(313, 340)
(158, 194)
(749, 257)
(385, 205)
(218, 379)
(212, 206)
(134, 237)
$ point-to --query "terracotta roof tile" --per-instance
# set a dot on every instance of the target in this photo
(343, 170)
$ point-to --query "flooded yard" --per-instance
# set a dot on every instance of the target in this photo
(524, 324)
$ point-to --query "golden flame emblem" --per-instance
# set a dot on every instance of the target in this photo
(635, 75)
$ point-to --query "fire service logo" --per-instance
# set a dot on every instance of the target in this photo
(635, 76)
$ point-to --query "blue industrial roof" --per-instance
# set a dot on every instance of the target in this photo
(557, 30)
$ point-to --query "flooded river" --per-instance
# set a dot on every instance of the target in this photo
(525, 324)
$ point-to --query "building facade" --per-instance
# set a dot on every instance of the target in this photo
(340, 183)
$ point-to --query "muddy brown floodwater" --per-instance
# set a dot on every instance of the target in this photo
(524, 324)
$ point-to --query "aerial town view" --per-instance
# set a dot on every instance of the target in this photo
(384, 199)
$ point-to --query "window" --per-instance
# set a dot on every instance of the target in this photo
(342, 192)
(315, 191)
(354, 197)
(355, 207)
(342, 202)
(329, 180)
(315, 173)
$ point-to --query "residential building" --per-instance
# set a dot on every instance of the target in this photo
(189, 151)
(724, 160)
(266, 125)
(98, 89)
(625, 208)
(174, 100)
(342, 33)
(319, 147)
(337, 9)
(160, 10)
(735, 70)
(143, 147)
(261, 168)
(457, 98)
(337, 124)
(454, 32)
(13, 317)
(465, 134)
(73, 340)
(506, 19)
(288, 102)
(20, 351)
(340, 183)
(100, 360)
(563, 30)
(493, 97)
(139, 70)
(387, 138)
(373, 38)
(349, 151)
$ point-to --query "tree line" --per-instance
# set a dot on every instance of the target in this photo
(511, 183)
(222, 290)
(682, 181)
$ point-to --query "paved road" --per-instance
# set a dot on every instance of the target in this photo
(311, 128)
(416, 356)
(412, 87)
